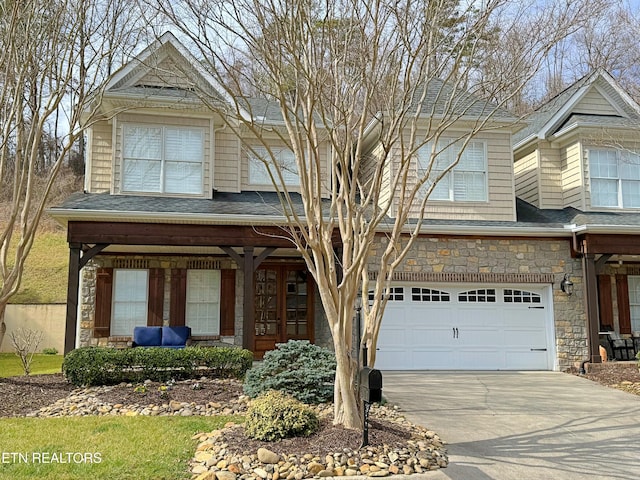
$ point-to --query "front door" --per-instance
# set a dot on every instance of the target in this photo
(283, 306)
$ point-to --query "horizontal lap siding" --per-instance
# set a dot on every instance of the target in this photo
(572, 177)
(100, 157)
(595, 104)
(550, 175)
(526, 175)
(227, 161)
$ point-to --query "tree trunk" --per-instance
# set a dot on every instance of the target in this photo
(346, 409)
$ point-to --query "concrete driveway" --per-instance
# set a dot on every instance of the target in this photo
(523, 425)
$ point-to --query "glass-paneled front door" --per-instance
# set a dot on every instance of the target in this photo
(283, 306)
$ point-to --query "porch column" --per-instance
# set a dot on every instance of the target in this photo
(248, 312)
(72, 297)
(591, 304)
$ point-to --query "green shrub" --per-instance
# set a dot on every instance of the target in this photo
(275, 415)
(298, 368)
(50, 351)
(109, 366)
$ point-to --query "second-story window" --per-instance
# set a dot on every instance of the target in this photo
(261, 164)
(615, 178)
(466, 181)
(162, 159)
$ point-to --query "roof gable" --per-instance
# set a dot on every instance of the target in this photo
(165, 66)
(597, 96)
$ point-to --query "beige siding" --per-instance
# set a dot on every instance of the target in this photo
(184, 121)
(526, 177)
(500, 205)
(100, 156)
(572, 176)
(274, 141)
(227, 161)
(595, 104)
(550, 176)
(166, 73)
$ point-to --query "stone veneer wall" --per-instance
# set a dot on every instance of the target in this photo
(88, 290)
(439, 259)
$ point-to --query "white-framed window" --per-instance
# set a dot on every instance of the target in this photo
(162, 159)
(634, 301)
(467, 181)
(129, 309)
(202, 311)
(615, 178)
(259, 158)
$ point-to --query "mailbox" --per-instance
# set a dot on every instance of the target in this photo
(370, 385)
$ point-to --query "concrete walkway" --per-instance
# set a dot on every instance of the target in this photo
(523, 425)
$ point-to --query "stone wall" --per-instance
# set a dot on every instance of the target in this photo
(504, 260)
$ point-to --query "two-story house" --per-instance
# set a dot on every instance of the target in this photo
(578, 161)
(179, 224)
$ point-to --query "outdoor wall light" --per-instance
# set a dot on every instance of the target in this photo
(566, 285)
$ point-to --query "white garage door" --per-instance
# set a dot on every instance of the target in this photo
(466, 328)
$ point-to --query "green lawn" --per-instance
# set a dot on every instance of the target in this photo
(121, 448)
(10, 366)
(46, 269)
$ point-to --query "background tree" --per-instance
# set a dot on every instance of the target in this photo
(53, 52)
(338, 70)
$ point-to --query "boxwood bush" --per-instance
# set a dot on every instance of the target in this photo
(298, 368)
(109, 366)
(275, 415)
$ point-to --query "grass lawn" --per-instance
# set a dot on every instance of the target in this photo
(155, 448)
(10, 366)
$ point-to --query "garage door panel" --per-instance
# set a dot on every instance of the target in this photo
(472, 327)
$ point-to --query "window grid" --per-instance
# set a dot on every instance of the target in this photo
(634, 301)
(203, 302)
(130, 288)
(521, 296)
(429, 295)
(484, 295)
(615, 178)
(467, 181)
(162, 159)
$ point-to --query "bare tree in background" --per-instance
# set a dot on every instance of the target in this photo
(340, 70)
(55, 57)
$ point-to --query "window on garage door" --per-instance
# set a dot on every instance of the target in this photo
(483, 295)
(520, 296)
(393, 294)
(429, 295)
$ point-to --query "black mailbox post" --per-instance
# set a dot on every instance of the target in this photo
(370, 382)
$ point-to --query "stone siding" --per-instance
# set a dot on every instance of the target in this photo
(505, 260)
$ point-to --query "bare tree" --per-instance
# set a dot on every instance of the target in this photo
(353, 74)
(53, 52)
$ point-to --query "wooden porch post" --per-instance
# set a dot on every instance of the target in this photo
(591, 296)
(248, 312)
(72, 298)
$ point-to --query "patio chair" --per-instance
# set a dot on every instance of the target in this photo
(622, 348)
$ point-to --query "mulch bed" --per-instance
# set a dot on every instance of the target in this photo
(21, 395)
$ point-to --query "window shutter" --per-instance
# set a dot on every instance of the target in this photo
(624, 313)
(605, 302)
(178, 297)
(156, 297)
(227, 301)
(104, 291)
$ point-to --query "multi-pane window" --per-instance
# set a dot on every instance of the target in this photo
(483, 295)
(162, 159)
(634, 301)
(429, 295)
(466, 181)
(520, 296)
(129, 301)
(261, 166)
(615, 178)
(203, 302)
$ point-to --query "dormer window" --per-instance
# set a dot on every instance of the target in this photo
(615, 178)
(162, 159)
(466, 181)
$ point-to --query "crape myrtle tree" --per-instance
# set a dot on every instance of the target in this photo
(379, 82)
(54, 60)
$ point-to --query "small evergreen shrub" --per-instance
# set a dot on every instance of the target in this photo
(109, 366)
(298, 368)
(275, 415)
(50, 351)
